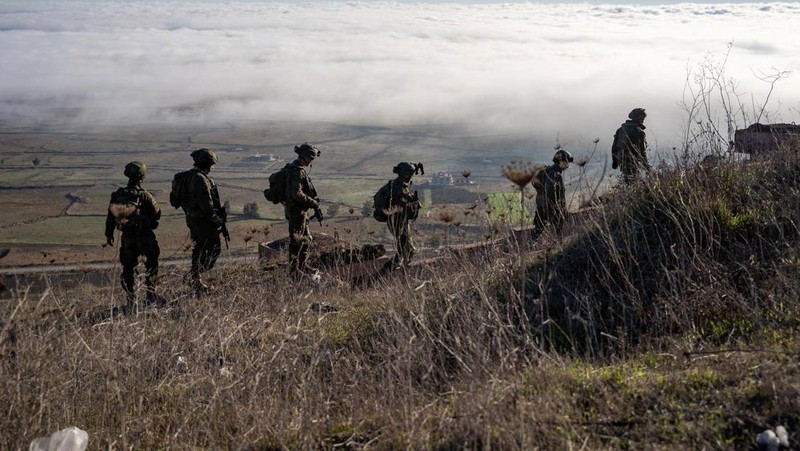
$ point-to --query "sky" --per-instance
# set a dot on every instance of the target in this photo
(558, 70)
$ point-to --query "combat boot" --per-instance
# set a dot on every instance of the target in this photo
(153, 298)
(130, 295)
(200, 287)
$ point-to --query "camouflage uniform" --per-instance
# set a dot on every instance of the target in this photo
(138, 238)
(551, 201)
(630, 146)
(403, 208)
(204, 217)
(301, 196)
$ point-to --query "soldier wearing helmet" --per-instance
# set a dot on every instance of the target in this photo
(301, 196)
(551, 201)
(629, 149)
(403, 207)
(135, 213)
(205, 217)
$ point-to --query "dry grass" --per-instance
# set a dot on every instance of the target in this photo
(669, 320)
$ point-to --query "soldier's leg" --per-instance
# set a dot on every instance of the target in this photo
(151, 250)
(298, 242)
(539, 220)
(128, 258)
(199, 228)
(630, 173)
(407, 244)
(210, 250)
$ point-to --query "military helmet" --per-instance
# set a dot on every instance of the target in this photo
(637, 114)
(562, 155)
(135, 170)
(204, 157)
(307, 150)
(404, 169)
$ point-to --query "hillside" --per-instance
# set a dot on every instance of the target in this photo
(668, 318)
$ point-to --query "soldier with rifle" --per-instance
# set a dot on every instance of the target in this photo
(205, 217)
(629, 149)
(403, 207)
(135, 213)
(551, 200)
(301, 196)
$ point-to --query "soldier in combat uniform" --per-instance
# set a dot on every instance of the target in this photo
(301, 196)
(629, 150)
(205, 217)
(403, 208)
(135, 213)
(551, 200)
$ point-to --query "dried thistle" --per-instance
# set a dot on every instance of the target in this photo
(247, 237)
(519, 173)
(466, 173)
(581, 162)
(596, 140)
(447, 216)
(351, 210)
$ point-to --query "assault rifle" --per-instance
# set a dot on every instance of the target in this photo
(224, 228)
(317, 215)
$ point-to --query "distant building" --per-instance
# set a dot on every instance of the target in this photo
(261, 158)
(442, 178)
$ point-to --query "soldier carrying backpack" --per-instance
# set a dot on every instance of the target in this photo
(397, 206)
(551, 200)
(629, 149)
(196, 193)
(299, 196)
(135, 213)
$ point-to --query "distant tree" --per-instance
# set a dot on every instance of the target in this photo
(333, 210)
(36, 161)
(366, 210)
(250, 209)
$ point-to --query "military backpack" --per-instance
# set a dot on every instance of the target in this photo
(124, 207)
(618, 148)
(276, 193)
(177, 195)
(381, 201)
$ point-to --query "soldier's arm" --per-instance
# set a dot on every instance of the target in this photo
(151, 210)
(296, 191)
(111, 223)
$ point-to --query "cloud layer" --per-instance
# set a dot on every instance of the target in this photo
(558, 69)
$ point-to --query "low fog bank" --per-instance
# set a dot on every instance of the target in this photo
(571, 72)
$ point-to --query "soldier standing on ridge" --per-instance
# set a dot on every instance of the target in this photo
(205, 217)
(301, 196)
(135, 212)
(403, 207)
(629, 150)
(551, 199)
